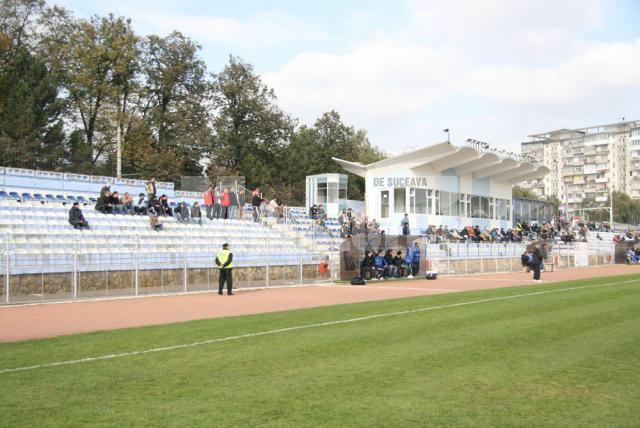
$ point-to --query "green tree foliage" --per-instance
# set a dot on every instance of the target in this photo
(69, 87)
(31, 132)
(173, 107)
(625, 209)
(521, 193)
(249, 129)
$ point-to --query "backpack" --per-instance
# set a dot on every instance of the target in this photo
(357, 280)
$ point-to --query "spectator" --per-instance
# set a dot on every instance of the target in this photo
(196, 214)
(155, 208)
(127, 203)
(632, 257)
(165, 207)
(404, 225)
(114, 200)
(256, 200)
(150, 187)
(398, 262)
(226, 204)
(233, 203)
(368, 266)
(141, 206)
(275, 208)
(217, 203)
(391, 268)
(413, 255)
(154, 223)
(182, 213)
(208, 202)
(381, 265)
(241, 202)
(313, 212)
(104, 202)
(76, 219)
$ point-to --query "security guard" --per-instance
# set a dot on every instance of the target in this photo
(223, 260)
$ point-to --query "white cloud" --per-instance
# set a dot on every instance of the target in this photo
(261, 30)
(520, 29)
(597, 70)
(378, 81)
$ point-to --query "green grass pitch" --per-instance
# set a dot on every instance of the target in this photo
(567, 358)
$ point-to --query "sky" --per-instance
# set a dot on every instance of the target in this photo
(490, 70)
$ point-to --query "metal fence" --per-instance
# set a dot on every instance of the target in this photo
(466, 258)
(133, 267)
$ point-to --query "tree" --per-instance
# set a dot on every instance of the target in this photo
(521, 193)
(31, 132)
(249, 129)
(174, 106)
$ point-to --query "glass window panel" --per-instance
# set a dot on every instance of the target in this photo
(421, 201)
(332, 193)
(437, 202)
(455, 204)
(475, 206)
(399, 201)
(484, 207)
(384, 204)
(412, 200)
(445, 203)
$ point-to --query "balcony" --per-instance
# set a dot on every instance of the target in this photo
(602, 180)
(602, 198)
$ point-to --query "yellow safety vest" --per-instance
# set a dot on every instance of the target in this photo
(223, 256)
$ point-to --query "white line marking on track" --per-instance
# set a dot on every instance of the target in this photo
(302, 327)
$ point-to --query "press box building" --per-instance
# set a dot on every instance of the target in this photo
(442, 185)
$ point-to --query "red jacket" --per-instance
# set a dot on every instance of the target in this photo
(226, 200)
(208, 198)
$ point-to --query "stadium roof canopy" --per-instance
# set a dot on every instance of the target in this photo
(463, 160)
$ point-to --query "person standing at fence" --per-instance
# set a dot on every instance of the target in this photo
(536, 262)
(413, 256)
(150, 187)
(256, 201)
(404, 224)
(224, 261)
(208, 201)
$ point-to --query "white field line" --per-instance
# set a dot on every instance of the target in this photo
(302, 327)
(383, 287)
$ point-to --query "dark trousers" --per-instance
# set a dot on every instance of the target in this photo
(225, 275)
(217, 210)
(210, 212)
(415, 267)
(536, 271)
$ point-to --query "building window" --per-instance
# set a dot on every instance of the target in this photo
(475, 206)
(436, 201)
(455, 204)
(484, 207)
(384, 204)
(399, 200)
(445, 203)
(421, 201)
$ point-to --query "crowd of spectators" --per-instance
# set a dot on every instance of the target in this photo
(384, 264)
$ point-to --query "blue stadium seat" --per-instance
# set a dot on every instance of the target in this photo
(4, 195)
(15, 195)
(27, 197)
(50, 197)
(38, 197)
(61, 198)
(71, 198)
(82, 199)
(93, 199)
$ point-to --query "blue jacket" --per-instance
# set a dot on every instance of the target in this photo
(380, 262)
(413, 254)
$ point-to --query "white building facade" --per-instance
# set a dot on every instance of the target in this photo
(587, 162)
(442, 185)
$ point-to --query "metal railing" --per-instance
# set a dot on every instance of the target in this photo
(135, 266)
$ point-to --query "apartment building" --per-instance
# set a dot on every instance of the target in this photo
(586, 162)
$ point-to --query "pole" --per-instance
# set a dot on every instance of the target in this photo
(119, 149)
(7, 270)
(268, 256)
(610, 208)
(184, 257)
(75, 268)
(137, 267)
